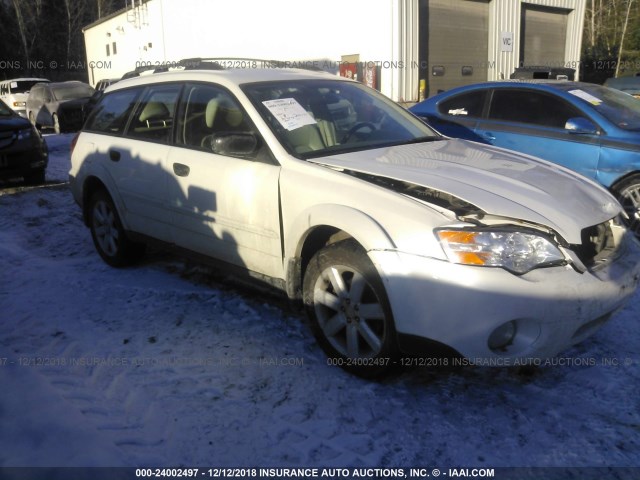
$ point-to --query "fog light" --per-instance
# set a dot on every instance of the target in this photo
(503, 336)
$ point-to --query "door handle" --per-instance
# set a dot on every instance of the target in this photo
(114, 155)
(181, 170)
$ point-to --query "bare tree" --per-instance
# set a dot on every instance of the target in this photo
(75, 16)
(624, 32)
(28, 14)
(104, 8)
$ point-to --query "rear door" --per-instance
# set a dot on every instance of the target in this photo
(223, 204)
(139, 125)
(532, 122)
(141, 156)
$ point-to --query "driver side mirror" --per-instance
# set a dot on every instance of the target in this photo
(235, 144)
(581, 126)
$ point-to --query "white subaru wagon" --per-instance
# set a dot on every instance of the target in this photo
(399, 241)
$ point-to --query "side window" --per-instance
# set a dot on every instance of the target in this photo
(153, 118)
(530, 107)
(111, 114)
(468, 104)
(212, 120)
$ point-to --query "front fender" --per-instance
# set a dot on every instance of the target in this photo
(363, 228)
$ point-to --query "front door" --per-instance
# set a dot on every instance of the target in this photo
(533, 122)
(224, 205)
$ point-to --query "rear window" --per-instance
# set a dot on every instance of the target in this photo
(69, 92)
(468, 104)
(23, 86)
(153, 118)
(111, 114)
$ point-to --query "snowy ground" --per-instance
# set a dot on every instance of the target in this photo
(159, 365)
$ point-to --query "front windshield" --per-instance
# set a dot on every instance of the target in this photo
(69, 92)
(621, 109)
(314, 118)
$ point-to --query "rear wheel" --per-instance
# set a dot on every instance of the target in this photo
(349, 310)
(109, 237)
(628, 194)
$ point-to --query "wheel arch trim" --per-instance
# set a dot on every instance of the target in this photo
(340, 218)
(363, 228)
(90, 184)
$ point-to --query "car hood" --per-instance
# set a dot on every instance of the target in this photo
(13, 122)
(497, 181)
(74, 103)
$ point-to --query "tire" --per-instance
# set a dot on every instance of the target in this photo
(109, 236)
(628, 194)
(56, 124)
(35, 178)
(32, 119)
(349, 310)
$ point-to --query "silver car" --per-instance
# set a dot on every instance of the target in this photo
(397, 240)
(58, 105)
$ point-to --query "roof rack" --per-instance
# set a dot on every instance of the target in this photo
(224, 63)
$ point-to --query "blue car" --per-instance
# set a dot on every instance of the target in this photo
(588, 128)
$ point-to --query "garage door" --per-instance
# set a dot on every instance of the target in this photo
(458, 43)
(544, 34)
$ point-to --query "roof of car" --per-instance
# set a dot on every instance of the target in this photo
(533, 82)
(560, 85)
(68, 82)
(235, 76)
(26, 79)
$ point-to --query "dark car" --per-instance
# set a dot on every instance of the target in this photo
(23, 152)
(58, 105)
(630, 85)
(588, 128)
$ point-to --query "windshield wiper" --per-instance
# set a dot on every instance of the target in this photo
(421, 140)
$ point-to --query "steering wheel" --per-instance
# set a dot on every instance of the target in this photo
(357, 127)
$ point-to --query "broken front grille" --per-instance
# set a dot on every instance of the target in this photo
(598, 245)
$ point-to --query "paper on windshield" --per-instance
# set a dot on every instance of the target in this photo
(586, 96)
(289, 113)
(14, 84)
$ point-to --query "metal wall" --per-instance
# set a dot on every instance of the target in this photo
(542, 37)
(506, 18)
(458, 35)
(504, 43)
(405, 25)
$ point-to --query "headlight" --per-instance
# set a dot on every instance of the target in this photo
(25, 134)
(19, 104)
(515, 251)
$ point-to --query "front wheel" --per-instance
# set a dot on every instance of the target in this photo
(349, 310)
(628, 194)
(35, 178)
(109, 236)
(32, 119)
(56, 124)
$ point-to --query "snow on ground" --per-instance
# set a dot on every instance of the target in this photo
(159, 365)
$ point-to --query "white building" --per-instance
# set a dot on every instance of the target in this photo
(404, 48)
